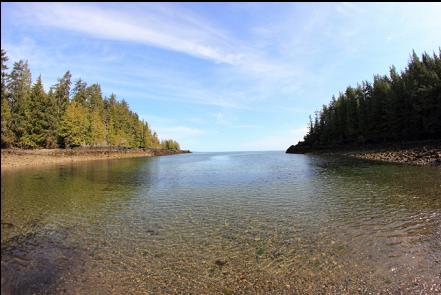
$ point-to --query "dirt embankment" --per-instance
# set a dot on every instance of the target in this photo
(18, 158)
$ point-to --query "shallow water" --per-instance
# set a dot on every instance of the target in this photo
(226, 223)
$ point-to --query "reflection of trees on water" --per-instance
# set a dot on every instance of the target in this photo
(367, 183)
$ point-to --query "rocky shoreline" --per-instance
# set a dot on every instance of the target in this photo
(414, 156)
(414, 153)
(20, 158)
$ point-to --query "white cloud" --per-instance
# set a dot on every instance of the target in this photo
(160, 26)
(179, 34)
(247, 73)
(25, 49)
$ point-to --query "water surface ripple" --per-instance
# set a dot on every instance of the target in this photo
(222, 223)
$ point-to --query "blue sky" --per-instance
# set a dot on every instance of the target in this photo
(220, 77)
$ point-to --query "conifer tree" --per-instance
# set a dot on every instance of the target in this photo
(19, 88)
(75, 126)
(402, 106)
(32, 118)
(98, 133)
(7, 136)
(61, 94)
(41, 119)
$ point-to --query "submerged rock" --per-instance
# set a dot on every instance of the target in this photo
(220, 262)
(152, 232)
(426, 155)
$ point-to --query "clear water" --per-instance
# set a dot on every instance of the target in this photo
(222, 223)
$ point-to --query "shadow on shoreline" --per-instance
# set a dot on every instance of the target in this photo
(34, 263)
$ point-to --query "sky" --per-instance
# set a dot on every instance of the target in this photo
(220, 76)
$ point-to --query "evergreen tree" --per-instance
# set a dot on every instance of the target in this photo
(7, 136)
(398, 107)
(98, 132)
(32, 118)
(75, 126)
(80, 92)
(19, 87)
(170, 144)
(94, 97)
(61, 94)
(41, 119)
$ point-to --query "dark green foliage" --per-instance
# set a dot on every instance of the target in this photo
(40, 119)
(170, 144)
(18, 90)
(403, 106)
(61, 94)
(32, 118)
(7, 136)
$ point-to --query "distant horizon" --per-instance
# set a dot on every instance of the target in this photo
(237, 151)
(223, 77)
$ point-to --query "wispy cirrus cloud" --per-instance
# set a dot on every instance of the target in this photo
(161, 26)
(246, 73)
(154, 28)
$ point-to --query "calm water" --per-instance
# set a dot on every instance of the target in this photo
(225, 223)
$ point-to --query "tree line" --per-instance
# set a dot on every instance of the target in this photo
(67, 115)
(398, 107)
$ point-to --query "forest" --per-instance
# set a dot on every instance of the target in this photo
(67, 115)
(398, 107)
